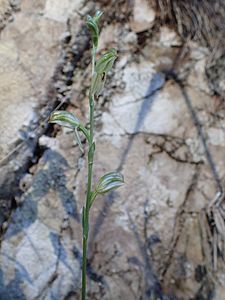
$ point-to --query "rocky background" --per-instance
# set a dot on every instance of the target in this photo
(160, 120)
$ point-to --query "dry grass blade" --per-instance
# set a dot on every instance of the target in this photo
(219, 221)
(216, 221)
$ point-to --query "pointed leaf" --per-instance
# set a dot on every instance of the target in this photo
(98, 15)
(109, 182)
(103, 65)
(64, 118)
(97, 84)
(67, 119)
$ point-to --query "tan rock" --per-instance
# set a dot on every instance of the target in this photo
(143, 16)
(60, 10)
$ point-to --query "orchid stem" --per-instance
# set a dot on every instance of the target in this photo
(91, 150)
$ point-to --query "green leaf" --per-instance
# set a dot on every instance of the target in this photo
(109, 182)
(103, 65)
(65, 119)
(98, 15)
(92, 24)
(105, 62)
(97, 84)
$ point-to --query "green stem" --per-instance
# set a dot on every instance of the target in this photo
(93, 60)
(86, 211)
(84, 267)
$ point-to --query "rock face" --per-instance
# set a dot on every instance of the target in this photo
(38, 258)
(23, 81)
(156, 122)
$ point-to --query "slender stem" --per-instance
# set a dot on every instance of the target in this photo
(86, 210)
(93, 60)
(84, 267)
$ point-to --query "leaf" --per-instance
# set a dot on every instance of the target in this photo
(109, 182)
(92, 24)
(105, 62)
(103, 66)
(98, 15)
(219, 222)
(97, 84)
(65, 119)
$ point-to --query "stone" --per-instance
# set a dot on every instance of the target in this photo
(21, 78)
(169, 38)
(46, 141)
(143, 16)
(5, 13)
(23, 81)
(108, 37)
(216, 136)
(37, 258)
(197, 76)
(142, 108)
(60, 11)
